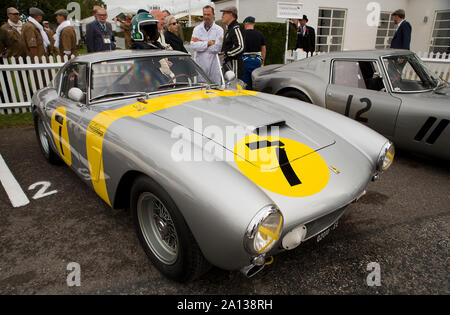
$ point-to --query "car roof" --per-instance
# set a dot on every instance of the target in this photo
(123, 53)
(373, 53)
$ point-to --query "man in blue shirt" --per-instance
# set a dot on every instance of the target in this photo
(99, 34)
(402, 37)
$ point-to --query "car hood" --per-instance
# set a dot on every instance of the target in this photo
(238, 114)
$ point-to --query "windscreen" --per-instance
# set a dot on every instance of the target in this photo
(149, 74)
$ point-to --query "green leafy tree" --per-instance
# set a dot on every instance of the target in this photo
(48, 6)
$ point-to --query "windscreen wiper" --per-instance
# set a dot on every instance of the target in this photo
(119, 94)
(173, 84)
(440, 86)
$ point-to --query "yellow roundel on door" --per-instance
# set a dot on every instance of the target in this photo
(281, 165)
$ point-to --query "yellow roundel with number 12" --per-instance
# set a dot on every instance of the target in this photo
(282, 165)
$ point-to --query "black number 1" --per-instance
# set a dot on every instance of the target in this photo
(283, 160)
(361, 111)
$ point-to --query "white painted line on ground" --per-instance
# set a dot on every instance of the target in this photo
(12, 187)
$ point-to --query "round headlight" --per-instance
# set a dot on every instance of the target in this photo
(264, 230)
(386, 157)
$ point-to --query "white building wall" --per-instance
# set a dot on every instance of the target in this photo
(358, 34)
(416, 11)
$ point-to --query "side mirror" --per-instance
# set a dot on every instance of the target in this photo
(229, 76)
(76, 95)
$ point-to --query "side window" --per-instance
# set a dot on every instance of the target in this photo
(357, 74)
(74, 76)
(347, 73)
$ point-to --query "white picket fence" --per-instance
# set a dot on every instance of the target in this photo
(439, 63)
(20, 78)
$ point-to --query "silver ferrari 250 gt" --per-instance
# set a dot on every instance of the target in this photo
(149, 131)
(391, 91)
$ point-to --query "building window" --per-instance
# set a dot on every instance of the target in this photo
(330, 29)
(440, 38)
(386, 31)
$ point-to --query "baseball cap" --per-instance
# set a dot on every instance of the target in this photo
(250, 19)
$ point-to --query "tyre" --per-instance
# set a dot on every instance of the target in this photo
(164, 234)
(297, 95)
(44, 142)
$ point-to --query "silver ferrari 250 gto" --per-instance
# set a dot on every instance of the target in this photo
(391, 91)
(212, 175)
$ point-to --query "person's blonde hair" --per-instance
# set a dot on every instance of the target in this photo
(167, 20)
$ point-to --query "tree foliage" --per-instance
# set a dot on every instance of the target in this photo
(48, 6)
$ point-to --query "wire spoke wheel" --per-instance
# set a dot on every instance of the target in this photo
(43, 137)
(158, 228)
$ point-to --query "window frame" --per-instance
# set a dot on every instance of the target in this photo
(329, 38)
(376, 60)
(432, 45)
(68, 66)
(387, 36)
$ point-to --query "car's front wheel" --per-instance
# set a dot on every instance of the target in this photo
(44, 142)
(163, 232)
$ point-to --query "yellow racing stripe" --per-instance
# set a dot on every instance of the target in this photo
(61, 134)
(98, 126)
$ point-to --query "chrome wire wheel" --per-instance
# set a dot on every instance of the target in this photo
(43, 137)
(157, 228)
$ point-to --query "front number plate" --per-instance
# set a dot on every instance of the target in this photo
(322, 235)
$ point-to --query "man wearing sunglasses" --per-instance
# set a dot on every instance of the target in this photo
(12, 30)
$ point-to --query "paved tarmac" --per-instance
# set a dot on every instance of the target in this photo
(402, 225)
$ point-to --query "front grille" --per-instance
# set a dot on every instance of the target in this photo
(319, 225)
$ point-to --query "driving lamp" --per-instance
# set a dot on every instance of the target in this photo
(386, 157)
(264, 230)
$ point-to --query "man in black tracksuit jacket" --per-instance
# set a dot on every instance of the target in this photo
(233, 43)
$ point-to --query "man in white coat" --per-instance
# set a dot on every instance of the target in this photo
(207, 41)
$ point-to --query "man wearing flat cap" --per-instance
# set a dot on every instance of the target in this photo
(34, 36)
(233, 42)
(254, 51)
(12, 35)
(402, 36)
(65, 36)
(306, 36)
